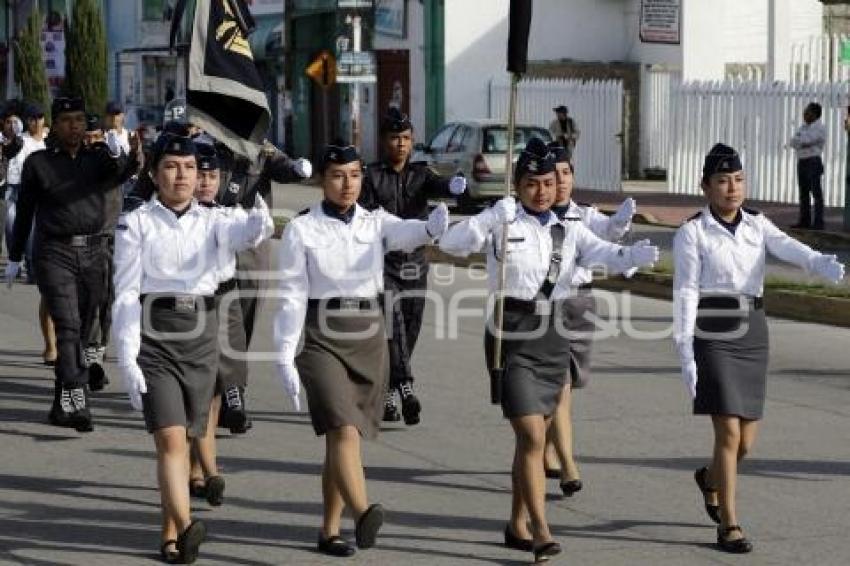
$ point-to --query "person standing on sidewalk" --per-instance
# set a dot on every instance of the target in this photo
(167, 260)
(541, 254)
(330, 268)
(564, 130)
(720, 329)
(64, 189)
(403, 188)
(580, 313)
(808, 142)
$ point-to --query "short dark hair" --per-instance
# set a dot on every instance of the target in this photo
(815, 109)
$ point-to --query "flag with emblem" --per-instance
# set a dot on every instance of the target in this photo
(225, 95)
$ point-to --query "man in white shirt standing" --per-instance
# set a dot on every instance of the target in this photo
(808, 142)
(113, 121)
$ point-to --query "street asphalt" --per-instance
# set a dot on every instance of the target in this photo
(71, 498)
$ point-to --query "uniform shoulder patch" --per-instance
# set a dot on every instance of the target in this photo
(752, 211)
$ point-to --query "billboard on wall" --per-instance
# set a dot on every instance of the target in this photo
(660, 21)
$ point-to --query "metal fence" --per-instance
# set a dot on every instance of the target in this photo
(656, 88)
(597, 108)
(758, 119)
(818, 59)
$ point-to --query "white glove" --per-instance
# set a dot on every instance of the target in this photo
(113, 144)
(291, 381)
(643, 254)
(624, 213)
(689, 377)
(828, 267)
(12, 270)
(258, 219)
(503, 212)
(438, 221)
(17, 126)
(303, 168)
(457, 186)
(134, 383)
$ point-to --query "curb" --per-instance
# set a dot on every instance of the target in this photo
(793, 305)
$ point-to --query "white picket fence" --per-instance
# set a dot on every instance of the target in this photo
(597, 108)
(656, 87)
(818, 59)
(758, 119)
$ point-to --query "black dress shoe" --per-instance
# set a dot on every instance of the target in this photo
(97, 377)
(546, 551)
(70, 409)
(368, 525)
(233, 414)
(737, 546)
(410, 405)
(571, 487)
(335, 546)
(189, 542)
(168, 555)
(198, 488)
(513, 541)
(712, 510)
(214, 490)
(391, 413)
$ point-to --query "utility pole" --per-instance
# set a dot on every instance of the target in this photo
(356, 37)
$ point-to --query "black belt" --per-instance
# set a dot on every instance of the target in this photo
(541, 308)
(585, 287)
(344, 304)
(81, 240)
(731, 302)
(178, 303)
(226, 286)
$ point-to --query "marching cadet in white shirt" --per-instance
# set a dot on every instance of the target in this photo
(331, 274)
(720, 327)
(581, 310)
(167, 258)
(541, 256)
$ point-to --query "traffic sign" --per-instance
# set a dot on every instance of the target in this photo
(356, 67)
(323, 69)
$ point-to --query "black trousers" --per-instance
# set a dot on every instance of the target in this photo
(102, 323)
(405, 296)
(72, 282)
(809, 173)
(251, 287)
(232, 346)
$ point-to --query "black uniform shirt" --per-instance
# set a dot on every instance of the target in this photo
(66, 194)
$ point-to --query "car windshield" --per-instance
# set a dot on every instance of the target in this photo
(496, 138)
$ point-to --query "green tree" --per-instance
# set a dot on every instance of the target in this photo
(86, 72)
(29, 64)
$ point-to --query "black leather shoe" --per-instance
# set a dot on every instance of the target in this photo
(169, 555)
(410, 405)
(702, 482)
(214, 490)
(391, 413)
(189, 542)
(737, 546)
(368, 525)
(233, 415)
(571, 487)
(513, 541)
(97, 377)
(82, 413)
(70, 409)
(198, 488)
(335, 546)
(546, 551)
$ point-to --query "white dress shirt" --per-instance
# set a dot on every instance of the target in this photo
(809, 140)
(529, 251)
(322, 257)
(157, 252)
(601, 225)
(708, 258)
(16, 164)
(123, 136)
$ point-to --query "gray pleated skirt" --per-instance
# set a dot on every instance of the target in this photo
(731, 355)
(578, 318)
(344, 368)
(178, 357)
(535, 366)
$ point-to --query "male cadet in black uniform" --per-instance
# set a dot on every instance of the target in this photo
(241, 181)
(403, 188)
(64, 188)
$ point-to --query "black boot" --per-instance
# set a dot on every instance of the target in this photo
(410, 406)
(71, 409)
(62, 411)
(233, 413)
(391, 414)
(94, 360)
(82, 413)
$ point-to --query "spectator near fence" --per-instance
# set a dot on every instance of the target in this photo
(808, 141)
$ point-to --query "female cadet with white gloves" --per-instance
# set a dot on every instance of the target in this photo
(541, 257)
(580, 312)
(167, 254)
(720, 327)
(331, 275)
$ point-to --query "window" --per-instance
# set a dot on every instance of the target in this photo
(459, 140)
(496, 138)
(441, 140)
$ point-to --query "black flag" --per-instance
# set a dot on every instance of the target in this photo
(520, 25)
(225, 93)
